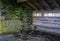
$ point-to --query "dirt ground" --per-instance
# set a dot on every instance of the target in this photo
(30, 37)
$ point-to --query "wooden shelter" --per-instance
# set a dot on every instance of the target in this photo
(46, 15)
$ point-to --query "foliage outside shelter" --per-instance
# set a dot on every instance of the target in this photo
(16, 13)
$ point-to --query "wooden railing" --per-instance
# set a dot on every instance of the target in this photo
(47, 21)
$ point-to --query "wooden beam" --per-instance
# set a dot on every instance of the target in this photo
(46, 5)
(56, 4)
(27, 6)
(21, 0)
(40, 7)
(31, 5)
(53, 4)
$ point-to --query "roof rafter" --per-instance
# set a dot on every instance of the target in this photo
(31, 5)
(41, 4)
(53, 4)
(27, 6)
(46, 5)
(58, 1)
(40, 7)
(56, 4)
(21, 0)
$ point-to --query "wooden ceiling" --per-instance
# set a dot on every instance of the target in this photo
(41, 4)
